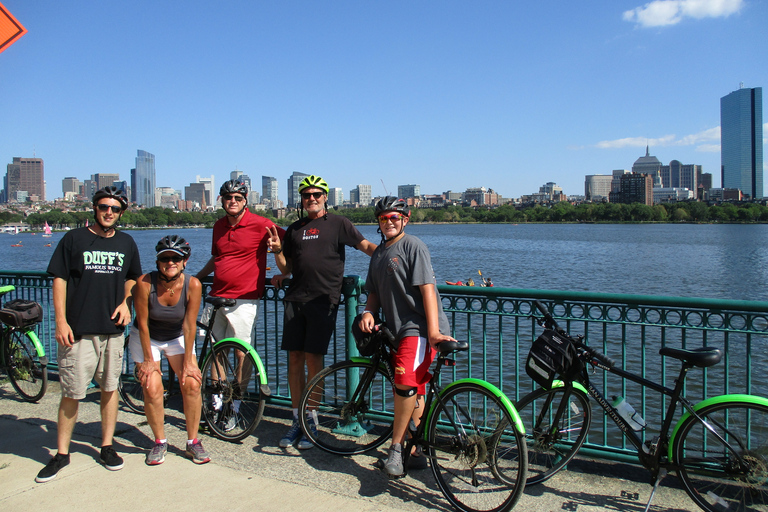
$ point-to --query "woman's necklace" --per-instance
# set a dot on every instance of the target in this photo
(171, 289)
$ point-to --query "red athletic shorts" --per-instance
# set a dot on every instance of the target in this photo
(412, 361)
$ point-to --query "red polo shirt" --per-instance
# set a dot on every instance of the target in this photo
(240, 256)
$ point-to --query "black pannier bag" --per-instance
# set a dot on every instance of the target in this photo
(369, 343)
(551, 354)
(21, 313)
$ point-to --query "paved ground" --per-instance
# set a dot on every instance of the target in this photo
(256, 473)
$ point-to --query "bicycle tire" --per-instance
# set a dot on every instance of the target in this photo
(714, 477)
(467, 450)
(548, 451)
(232, 405)
(343, 426)
(28, 375)
(129, 387)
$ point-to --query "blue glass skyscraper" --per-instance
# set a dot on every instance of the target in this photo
(741, 141)
(143, 179)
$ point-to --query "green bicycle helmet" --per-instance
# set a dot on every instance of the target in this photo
(314, 181)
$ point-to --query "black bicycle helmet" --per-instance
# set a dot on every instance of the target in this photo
(112, 192)
(392, 204)
(174, 243)
(234, 187)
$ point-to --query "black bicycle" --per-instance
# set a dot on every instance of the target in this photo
(22, 356)
(234, 389)
(352, 402)
(718, 448)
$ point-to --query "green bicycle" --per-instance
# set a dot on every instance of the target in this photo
(22, 356)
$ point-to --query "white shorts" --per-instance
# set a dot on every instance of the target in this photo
(235, 322)
(173, 347)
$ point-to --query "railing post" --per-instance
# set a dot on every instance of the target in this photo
(351, 288)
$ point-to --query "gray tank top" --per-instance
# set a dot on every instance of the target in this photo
(166, 322)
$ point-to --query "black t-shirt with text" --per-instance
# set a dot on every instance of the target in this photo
(95, 269)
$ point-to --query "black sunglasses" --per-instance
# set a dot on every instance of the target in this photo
(307, 195)
(107, 207)
(230, 197)
(175, 258)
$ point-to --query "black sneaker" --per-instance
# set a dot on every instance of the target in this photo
(52, 469)
(111, 460)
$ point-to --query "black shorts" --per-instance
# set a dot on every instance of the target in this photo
(308, 326)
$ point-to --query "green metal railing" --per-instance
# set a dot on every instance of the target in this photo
(498, 325)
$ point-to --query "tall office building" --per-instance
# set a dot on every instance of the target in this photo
(405, 191)
(597, 187)
(362, 195)
(104, 179)
(210, 188)
(335, 197)
(71, 187)
(294, 200)
(269, 191)
(143, 179)
(25, 177)
(649, 165)
(741, 141)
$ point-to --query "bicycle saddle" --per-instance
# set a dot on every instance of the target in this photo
(702, 357)
(452, 346)
(220, 301)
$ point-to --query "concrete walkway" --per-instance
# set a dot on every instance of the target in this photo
(255, 474)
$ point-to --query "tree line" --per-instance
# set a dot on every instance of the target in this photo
(585, 212)
(559, 212)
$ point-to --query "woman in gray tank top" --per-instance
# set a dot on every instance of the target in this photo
(167, 302)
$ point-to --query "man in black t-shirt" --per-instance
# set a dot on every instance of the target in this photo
(313, 252)
(94, 270)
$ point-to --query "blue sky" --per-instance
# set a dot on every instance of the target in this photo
(445, 94)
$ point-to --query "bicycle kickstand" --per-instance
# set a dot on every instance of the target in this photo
(659, 478)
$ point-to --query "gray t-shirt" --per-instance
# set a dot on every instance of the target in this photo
(394, 274)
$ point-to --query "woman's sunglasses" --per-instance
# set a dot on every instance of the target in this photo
(175, 258)
(107, 207)
(307, 195)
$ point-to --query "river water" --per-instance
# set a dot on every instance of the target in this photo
(686, 260)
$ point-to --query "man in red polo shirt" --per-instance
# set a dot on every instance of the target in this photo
(239, 262)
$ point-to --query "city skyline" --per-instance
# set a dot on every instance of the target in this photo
(501, 95)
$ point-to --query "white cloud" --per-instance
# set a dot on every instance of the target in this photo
(659, 13)
(697, 139)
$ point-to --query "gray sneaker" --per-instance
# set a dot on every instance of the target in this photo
(230, 423)
(292, 435)
(305, 443)
(394, 463)
(197, 453)
(156, 455)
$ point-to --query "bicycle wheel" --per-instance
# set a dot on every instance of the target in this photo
(28, 375)
(232, 399)
(129, 387)
(353, 402)
(719, 478)
(467, 450)
(551, 447)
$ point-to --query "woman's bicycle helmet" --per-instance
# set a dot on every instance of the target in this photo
(392, 204)
(234, 187)
(111, 192)
(313, 181)
(174, 243)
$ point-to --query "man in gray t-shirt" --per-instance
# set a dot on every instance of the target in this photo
(402, 283)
